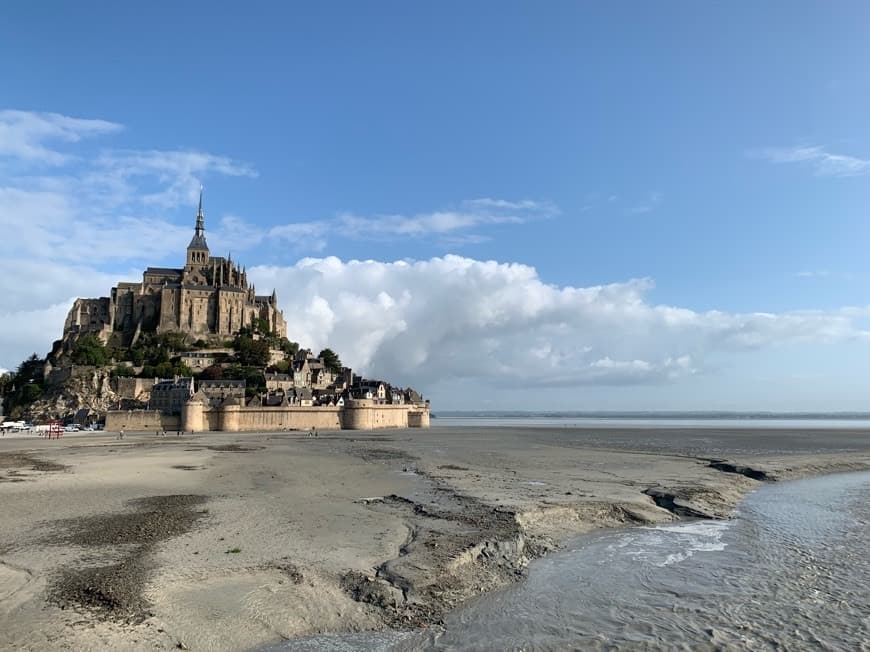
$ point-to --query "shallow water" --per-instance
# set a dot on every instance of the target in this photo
(791, 572)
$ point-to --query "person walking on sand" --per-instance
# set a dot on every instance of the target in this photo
(121, 433)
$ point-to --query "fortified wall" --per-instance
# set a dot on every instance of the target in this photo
(232, 417)
(141, 420)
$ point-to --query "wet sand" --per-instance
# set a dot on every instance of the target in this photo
(224, 541)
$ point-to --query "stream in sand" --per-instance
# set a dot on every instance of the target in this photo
(791, 571)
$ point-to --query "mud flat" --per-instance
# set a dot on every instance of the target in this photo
(235, 541)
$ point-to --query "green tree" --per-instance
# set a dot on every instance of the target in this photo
(253, 352)
(30, 370)
(164, 370)
(29, 393)
(27, 383)
(280, 367)
(214, 372)
(254, 379)
(174, 341)
(136, 356)
(330, 360)
(89, 350)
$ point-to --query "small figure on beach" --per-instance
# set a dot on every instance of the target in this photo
(121, 433)
(315, 431)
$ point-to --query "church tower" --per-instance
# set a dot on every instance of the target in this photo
(197, 251)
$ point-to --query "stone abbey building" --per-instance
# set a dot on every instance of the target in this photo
(209, 299)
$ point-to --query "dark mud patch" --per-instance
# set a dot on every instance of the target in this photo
(154, 519)
(234, 448)
(15, 462)
(372, 438)
(678, 505)
(452, 467)
(288, 568)
(115, 591)
(748, 471)
(13, 467)
(385, 455)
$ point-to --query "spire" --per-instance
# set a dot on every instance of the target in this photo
(200, 218)
(198, 240)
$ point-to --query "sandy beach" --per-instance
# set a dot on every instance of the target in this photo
(221, 541)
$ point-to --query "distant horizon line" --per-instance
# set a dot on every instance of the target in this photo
(664, 414)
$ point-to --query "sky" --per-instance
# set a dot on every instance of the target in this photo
(506, 205)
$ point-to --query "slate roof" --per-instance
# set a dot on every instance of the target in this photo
(163, 271)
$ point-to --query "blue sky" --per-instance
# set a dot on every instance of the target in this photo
(719, 151)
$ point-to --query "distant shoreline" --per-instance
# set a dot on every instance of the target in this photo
(657, 414)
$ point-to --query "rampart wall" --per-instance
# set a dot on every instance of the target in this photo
(141, 420)
(196, 417)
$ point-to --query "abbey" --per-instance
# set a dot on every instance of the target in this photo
(208, 299)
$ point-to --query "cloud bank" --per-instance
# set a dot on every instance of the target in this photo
(501, 325)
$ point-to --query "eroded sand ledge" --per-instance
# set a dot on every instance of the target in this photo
(234, 541)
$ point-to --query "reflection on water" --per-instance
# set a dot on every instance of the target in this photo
(792, 571)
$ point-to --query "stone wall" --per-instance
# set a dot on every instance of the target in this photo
(361, 415)
(141, 420)
(283, 418)
(367, 415)
(63, 374)
(132, 387)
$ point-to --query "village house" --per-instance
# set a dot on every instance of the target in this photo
(217, 391)
(169, 396)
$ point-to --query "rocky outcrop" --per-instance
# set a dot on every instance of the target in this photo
(84, 387)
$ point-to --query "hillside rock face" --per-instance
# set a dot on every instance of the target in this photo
(90, 387)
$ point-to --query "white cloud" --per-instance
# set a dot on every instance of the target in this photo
(499, 325)
(178, 174)
(24, 134)
(110, 206)
(452, 226)
(824, 162)
(30, 331)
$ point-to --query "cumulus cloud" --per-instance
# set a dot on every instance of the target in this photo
(487, 325)
(824, 162)
(30, 331)
(499, 324)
